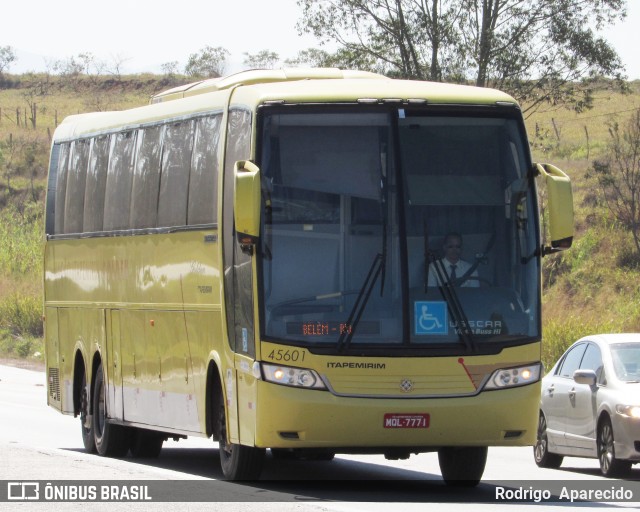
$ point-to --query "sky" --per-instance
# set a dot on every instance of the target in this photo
(144, 34)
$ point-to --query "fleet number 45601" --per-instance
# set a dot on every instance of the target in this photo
(286, 355)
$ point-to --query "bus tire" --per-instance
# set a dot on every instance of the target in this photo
(238, 462)
(462, 466)
(86, 419)
(146, 443)
(111, 440)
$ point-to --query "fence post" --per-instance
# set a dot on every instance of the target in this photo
(586, 131)
(555, 129)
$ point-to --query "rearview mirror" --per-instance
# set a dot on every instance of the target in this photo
(246, 201)
(587, 377)
(560, 203)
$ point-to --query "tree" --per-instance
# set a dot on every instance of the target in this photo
(264, 59)
(207, 63)
(618, 175)
(80, 71)
(7, 57)
(117, 65)
(170, 69)
(539, 50)
(311, 57)
(342, 58)
(396, 34)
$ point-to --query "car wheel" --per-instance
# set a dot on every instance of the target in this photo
(544, 458)
(609, 465)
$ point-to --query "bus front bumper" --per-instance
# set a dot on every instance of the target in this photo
(300, 418)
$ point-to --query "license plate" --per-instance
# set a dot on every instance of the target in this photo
(406, 420)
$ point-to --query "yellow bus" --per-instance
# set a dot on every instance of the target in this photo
(249, 258)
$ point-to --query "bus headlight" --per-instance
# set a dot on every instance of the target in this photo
(289, 376)
(513, 377)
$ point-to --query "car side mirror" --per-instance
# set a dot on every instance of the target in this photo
(587, 377)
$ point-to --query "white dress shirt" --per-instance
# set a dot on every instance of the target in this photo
(461, 269)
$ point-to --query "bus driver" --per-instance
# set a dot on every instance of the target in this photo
(453, 266)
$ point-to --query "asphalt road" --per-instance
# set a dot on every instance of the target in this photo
(37, 444)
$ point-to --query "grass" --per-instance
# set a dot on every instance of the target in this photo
(20, 272)
(580, 136)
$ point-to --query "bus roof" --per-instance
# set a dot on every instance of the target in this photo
(253, 88)
(259, 76)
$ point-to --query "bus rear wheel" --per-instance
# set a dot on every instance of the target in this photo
(111, 440)
(86, 419)
(238, 462)
(462, 466)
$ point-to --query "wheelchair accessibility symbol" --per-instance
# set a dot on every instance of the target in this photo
(431, 317)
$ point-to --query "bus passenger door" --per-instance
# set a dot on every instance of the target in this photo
(247, 395)
(238, 276)
(240, 329)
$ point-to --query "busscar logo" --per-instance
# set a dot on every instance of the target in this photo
(23, 491)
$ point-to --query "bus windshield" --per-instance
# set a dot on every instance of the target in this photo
(364, 214)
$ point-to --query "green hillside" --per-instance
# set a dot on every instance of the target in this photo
(593, 287)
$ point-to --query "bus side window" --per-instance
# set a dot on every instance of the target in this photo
(203, 191)
(76, 180)
(146, 179)
(174, 177)
(61, 188)
(119, 178)
(96, 183)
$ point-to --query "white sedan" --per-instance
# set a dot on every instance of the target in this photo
(590, 405)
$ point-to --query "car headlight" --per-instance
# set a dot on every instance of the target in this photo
(513, 377)
(633, 411)
(289, 376)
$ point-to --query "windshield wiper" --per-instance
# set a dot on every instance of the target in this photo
(360, 304)
(384, 197)
(453, 302)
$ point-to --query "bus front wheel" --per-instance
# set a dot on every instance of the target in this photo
(238, 462)
(462, 466)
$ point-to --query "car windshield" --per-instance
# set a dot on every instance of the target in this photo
(626, 361)
(359, 211)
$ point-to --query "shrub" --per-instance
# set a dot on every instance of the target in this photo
(21, 315)
(21, 240)
(559, 334)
